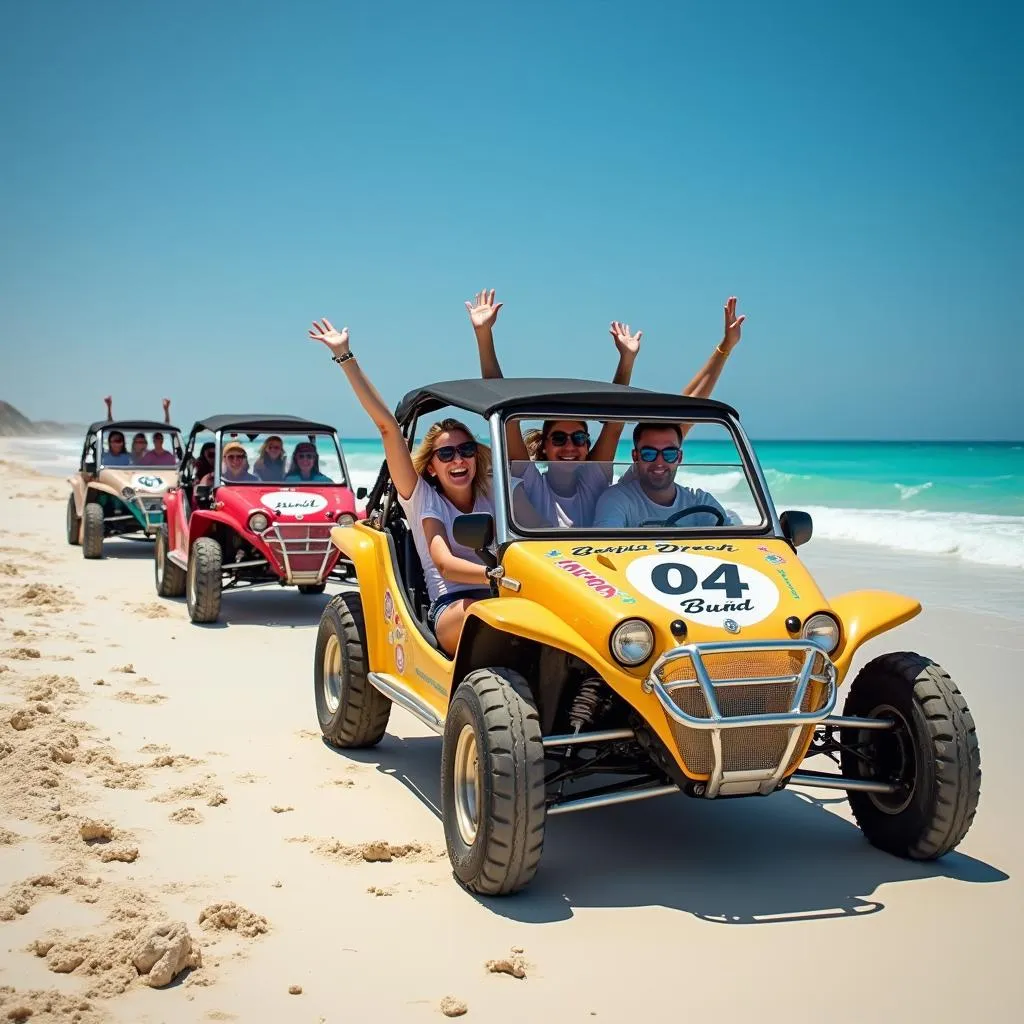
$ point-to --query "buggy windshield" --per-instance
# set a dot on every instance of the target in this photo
(661, 477)
(284, 457)
(127, 447)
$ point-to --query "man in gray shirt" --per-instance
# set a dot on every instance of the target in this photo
(653, 496)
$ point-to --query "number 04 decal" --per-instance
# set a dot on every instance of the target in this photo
(704, 589)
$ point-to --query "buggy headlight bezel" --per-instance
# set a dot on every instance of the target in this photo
(643, 641)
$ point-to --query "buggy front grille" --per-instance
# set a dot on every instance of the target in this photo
(302, 549)
(742, 713)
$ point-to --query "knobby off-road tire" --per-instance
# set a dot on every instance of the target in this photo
(934, 744)
(169, 578)
(351, 711)
(312, 588)
(92, 530)
(203, 581)
(492, 769)
(74, 522)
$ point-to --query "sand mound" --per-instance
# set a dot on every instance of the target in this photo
(8, 569)
(205, 790)
(43, 1007)
(186, 816)
(452, 1007)
(163, 952)
(376, 851)
(231, 916)
(19, 899)
(131, 697)
(150, 610)
(279, 809)
(20, 653)
(514, 965)
(44, 595)
(9, 838)
(90, 831)
(154, 748)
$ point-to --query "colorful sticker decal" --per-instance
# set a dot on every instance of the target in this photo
(770, 557)
(400, 658)
(389, 605)
(433, 683)
(705, 590)
(295, 504)
(789, 583)
(149, 482)
(623, 549)
(597, 583)
(554, 554)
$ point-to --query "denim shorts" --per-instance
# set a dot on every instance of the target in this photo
(441, 602)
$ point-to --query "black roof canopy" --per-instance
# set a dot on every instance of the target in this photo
(124, 425)
(552, 394)
(258, 422)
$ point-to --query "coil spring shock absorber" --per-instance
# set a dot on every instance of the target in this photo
(585, 704)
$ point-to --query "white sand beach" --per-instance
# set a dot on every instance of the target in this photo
(192, 757)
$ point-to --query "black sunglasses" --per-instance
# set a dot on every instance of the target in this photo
(671, 454)
(447, 451)
(580, 438)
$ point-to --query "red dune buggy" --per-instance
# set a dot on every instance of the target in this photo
(256, 499)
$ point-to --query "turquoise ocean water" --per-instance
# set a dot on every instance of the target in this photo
(963, 499)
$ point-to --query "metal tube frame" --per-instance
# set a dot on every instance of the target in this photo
(794, 719)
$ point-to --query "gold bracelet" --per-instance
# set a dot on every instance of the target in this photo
(718, 348)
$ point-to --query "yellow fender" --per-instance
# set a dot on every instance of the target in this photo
(865, 614)
(522, 617)
(359, 544)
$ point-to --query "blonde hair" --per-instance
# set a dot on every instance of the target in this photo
(424, 452)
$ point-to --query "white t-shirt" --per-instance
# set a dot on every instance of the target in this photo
(591, 480)
(428, 503)
(626, 505)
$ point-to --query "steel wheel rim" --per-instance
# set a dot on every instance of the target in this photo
(901, 748)
(467, 785)
(331, 685)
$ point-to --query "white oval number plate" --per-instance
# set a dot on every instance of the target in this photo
(705, 590)
(294, 503)
(149, 482)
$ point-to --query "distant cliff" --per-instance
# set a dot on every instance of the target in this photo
(15, 424)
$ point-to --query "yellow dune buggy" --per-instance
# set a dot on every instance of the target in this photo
(681, 649)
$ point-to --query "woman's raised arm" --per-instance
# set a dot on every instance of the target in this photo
(396, 451)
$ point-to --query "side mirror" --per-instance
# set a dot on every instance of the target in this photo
(89, 466)
(797, 527)
(475, 531)
(360, 493)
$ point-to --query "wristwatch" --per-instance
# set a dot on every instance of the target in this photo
(340, 359)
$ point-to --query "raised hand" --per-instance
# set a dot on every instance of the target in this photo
(628, 344)
(733, 324)
(483, 311)
(335, 340)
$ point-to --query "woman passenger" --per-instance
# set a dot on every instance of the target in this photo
(305, 465)
(448, 474)
(270, 462)
(139, 446)
(115, 455)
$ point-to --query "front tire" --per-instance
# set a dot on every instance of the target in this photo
(932, 753)
(169, 578)
(312, 588)
(492, 783)
(351, 710)
(92, 530)
(203, 581)
(74, 522)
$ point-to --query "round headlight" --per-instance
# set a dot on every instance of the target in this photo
(128, 492)
(346, 519)
(632, 642)
(823, 630)
(258, 522)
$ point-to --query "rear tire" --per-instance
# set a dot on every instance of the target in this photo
(933, 751)
(92, 530)
(74, 522)
(169, 578)
(352, 712)
(203, 581)
(312, 588)
(493, 800)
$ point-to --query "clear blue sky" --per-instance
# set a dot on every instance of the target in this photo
(185, 186)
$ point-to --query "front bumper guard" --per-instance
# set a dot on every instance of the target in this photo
(763, 781)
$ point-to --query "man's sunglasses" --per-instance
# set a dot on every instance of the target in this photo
(580, 438)
(447, 451)
(671, 454)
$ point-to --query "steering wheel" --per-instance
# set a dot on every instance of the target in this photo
(676, 516)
